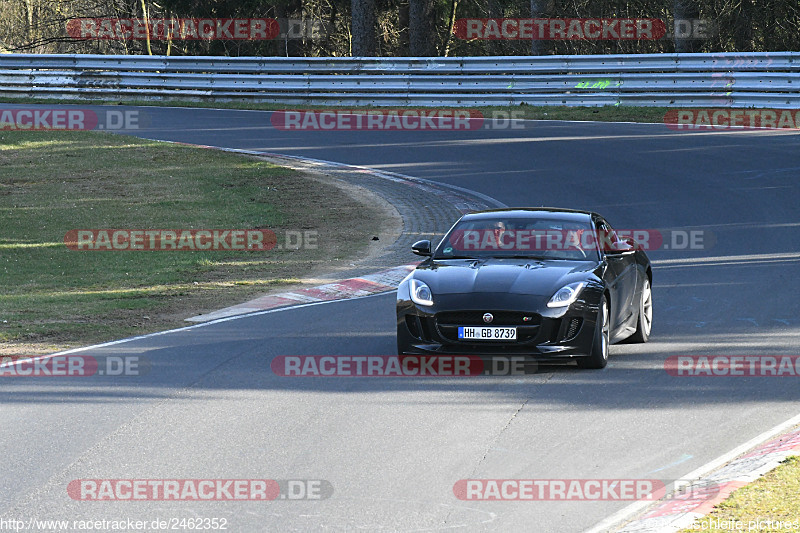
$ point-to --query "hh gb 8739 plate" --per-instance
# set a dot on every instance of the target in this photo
(487, 333)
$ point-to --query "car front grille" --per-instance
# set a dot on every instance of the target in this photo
(475, 318)
(447, 324)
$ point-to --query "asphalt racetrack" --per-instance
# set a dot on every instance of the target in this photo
(392, 448)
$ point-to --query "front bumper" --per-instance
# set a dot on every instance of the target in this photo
(548, 334)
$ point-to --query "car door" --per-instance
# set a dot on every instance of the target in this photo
(622, 272)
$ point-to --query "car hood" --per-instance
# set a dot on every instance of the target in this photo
(511, 276)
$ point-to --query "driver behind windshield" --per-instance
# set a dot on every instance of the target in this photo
(542, 239)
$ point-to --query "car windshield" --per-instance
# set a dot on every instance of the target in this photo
(537, 238)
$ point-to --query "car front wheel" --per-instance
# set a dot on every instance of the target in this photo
(645, 322)
(598, 358)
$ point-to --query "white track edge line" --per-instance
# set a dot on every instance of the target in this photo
(186, 328)
(615, 519)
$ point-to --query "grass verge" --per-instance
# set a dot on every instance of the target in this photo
(51, 182)
(602, 114)
(768, 504)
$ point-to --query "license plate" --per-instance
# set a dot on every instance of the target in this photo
(487, 334)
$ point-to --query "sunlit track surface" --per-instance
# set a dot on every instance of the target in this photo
(393, 448)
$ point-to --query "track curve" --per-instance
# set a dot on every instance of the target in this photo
(211, 408)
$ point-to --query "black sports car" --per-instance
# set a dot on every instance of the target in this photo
(552, 284)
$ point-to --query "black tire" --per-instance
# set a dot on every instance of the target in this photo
(644, 324)
(598, 358)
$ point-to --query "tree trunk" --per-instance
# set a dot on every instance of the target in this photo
(364, 38)
(450, 27)
(743, 28)
(539, 9)
(495, 8)
(421, 28)
(402, 20)
(684, 10)
(147, 23)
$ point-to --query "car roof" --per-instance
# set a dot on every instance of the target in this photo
(550, 213)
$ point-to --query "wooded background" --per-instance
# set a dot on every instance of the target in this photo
(400, 27)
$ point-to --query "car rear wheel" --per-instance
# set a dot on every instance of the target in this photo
(598, 358)
(645, 322)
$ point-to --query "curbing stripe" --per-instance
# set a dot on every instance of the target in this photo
(680, 511)
(383, 281)
(169, 331)
(463, 200)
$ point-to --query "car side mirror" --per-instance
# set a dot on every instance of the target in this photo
(626, 247)
(422, 248)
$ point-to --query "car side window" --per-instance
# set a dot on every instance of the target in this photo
(611, 232)
(606, 236)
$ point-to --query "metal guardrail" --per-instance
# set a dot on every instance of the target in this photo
(753, 79)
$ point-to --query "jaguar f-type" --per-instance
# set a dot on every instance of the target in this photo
(549, 284)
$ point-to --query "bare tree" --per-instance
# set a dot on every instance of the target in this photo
(401, 27)
(451, 23)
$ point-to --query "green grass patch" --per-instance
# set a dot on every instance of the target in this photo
(53, 182)
(772, 498)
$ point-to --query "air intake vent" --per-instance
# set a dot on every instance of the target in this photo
(572, 328)
(412, 322)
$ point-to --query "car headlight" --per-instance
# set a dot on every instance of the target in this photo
(420, 293)
(566, 295)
